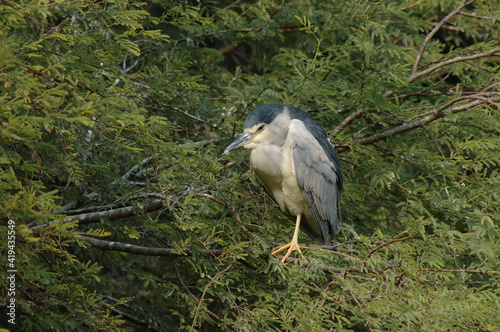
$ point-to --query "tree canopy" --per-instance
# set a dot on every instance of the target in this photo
(118, 212)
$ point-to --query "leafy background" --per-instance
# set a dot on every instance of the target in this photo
(113, 116)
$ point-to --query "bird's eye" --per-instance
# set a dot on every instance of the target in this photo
(261, 127)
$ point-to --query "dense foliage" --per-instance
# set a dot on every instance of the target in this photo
(113, 116)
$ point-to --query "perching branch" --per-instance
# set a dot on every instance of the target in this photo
(349, 272)
(172, 252)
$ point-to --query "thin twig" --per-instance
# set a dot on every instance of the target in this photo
(195, 299)
(397, 240)
(478, 16)
(406, 190)
(197, 312)
(212, 198)
(434, 141)
(184, 112)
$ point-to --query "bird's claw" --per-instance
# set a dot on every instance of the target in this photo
(291, 247)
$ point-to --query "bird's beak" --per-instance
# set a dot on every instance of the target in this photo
(240, 141)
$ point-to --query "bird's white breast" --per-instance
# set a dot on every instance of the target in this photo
(273, 169)
(266, 161)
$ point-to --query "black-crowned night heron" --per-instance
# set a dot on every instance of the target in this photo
(293, 159)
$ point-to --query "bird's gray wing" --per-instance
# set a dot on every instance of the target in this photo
(318, 177)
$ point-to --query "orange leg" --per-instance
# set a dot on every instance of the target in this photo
(293, 245)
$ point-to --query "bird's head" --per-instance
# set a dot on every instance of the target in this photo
(264, 125)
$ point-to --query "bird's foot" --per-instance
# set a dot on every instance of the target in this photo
(292, 246)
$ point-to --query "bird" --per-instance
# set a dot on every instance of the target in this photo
(292, 158)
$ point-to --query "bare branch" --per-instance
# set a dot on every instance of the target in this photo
(172, 252)
(211, 197)
(228, 165)
(205, 143)
(136, 168)
(433, 116)
(463, 271)
(135, 319)
(478, 16)
(131, 173)
(346, 122)
(431, 34)
(119, 213)
(184, 112)
(140, 250)
(409, 192)
(100, 208)
(351, 272)
(416, 75)
(434, 141)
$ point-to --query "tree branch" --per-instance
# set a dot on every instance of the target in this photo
(108, 207)
(462, 271)
(431, 34)
(140, 250)
(478, 16)
(184, 112)
(416, 75)
(136, 168)
(198, 307)
(135, 320)
(433, 116)
(346, 122)
(337, 270)
(195, 299)
(119, 213)
(401, 239)
(344, 272)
